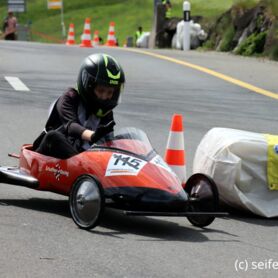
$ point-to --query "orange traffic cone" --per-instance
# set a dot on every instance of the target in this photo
(111, 39)
(175, 152)
(86, 36)
(70, 39)
(96, 38)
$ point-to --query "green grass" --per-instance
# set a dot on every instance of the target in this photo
(127, 15)
(245, 3)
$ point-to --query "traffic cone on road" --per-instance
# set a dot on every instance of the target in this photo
(111, 39)
(96, 38)
(86, 36)
(70, 39)
(175, 151)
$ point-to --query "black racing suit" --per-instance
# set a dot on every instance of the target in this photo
(62, 135)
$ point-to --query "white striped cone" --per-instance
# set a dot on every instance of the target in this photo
(111, 39)
(175, 151)
(86, 36)
(71, 39)
(96, 38)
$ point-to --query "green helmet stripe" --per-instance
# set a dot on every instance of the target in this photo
(110, 74)
(105, 59)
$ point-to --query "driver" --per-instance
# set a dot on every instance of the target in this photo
(81, 117)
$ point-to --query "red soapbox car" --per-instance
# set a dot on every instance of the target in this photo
(122, 172)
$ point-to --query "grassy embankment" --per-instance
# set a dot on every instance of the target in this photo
(127, 14)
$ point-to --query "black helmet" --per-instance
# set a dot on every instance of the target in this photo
(100, 69)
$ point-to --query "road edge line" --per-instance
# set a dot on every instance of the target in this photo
(219, 75)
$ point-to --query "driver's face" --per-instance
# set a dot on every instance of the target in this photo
(104, 92)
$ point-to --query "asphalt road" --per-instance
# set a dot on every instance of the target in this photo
(38, 237)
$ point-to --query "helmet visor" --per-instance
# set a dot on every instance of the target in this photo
(99, 94)
(107, 97)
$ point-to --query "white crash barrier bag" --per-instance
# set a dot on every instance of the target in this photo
(197, 35)
(143, 40)
(244, 166)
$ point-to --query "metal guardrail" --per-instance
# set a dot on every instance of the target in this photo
(23, 32)
(26, 32)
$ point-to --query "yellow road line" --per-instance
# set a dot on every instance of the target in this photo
(211, 72)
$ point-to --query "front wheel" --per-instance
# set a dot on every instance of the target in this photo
(203, 197)
(86, 202)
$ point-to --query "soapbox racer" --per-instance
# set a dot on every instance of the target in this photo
(123, 172)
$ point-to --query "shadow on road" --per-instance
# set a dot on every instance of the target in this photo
(116, 224)
(155, 229)
(59, 207)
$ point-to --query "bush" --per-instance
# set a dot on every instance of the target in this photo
(227, 40)
(209, 45)
(254, 44)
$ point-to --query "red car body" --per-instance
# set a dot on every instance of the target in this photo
(123, 172)
(58, 175)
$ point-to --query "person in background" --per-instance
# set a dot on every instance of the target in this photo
(9, 27)
(168, 8)
(138, 33)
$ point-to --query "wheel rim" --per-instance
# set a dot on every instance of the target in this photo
(203, 197)
(86, 202)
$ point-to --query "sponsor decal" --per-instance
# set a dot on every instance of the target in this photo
(114, 82)
(124, 165)
(57, 171)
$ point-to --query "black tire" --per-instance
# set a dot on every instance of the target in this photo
(86, 202)
(203, 197)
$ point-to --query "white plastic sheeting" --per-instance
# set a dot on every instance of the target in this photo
(197, 34)
(143, 40)
(237, 161)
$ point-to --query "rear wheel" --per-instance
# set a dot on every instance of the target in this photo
(86, 202)
(203, 197)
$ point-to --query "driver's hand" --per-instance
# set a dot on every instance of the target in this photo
(101, 131)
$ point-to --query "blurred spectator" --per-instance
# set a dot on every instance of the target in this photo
(9, 26)
(168, 8)
(138, 33)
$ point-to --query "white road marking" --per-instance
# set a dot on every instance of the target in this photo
(16, 83)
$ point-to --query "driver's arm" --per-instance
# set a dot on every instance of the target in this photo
(87, 134)
(67, 107)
